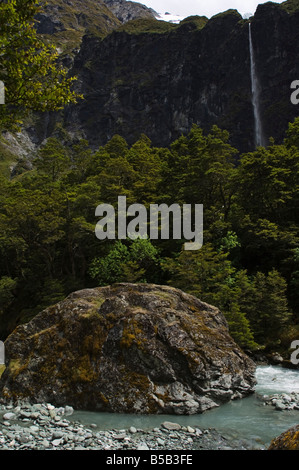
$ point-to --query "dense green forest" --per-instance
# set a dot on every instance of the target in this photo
(248, 265)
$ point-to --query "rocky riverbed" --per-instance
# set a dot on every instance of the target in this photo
(46, 427)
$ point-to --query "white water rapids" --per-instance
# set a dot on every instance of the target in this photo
(272, 379)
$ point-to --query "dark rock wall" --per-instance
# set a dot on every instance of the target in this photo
(275, 37)
(159, 84)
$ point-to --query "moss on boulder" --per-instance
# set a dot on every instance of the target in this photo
(289, 440)
(133, 348)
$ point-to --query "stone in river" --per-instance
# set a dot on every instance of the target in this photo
(288, 440)
(8, 416)
(131, 348)
(171, 426)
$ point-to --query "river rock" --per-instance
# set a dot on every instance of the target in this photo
(142, 446)
(9, 416)
(279, 405)
(171, 426)
(288, 440)
(133, 430)
(133, 348)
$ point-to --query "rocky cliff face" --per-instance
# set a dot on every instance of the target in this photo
(64, 23)
(127, 348)
(275, 28)
(153, 77)
(126, 11)
(158, 79)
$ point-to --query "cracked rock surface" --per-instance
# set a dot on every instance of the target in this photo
(130, 348)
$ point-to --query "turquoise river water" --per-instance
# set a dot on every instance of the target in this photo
(247, 419)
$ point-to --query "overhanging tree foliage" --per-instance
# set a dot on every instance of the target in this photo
(28, 67)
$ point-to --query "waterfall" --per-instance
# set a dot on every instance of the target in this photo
(255, 91)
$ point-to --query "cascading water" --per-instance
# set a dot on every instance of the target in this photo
(255, 91)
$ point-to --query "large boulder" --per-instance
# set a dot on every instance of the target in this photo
(132, 348)
(288, 440)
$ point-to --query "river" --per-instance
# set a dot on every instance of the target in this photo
(247, 419)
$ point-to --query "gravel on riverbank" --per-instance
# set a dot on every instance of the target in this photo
(46, 427)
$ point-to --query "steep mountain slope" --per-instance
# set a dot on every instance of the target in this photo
(65, 22)
(156, 78)
(126, 11)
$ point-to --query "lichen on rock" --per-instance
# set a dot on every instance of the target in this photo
(131, 348)
(288, 440)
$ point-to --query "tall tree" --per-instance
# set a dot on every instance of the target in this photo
(209, 275)
(28, 68)
(268, 310)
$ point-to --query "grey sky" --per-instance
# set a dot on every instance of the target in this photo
(202, 7)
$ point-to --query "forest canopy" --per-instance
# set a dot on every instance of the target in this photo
(248, 265)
